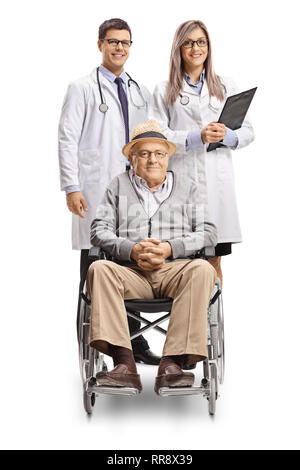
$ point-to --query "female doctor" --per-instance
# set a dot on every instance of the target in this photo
(187, 108)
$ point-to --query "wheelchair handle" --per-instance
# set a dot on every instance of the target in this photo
(95, 253)
(206, 252)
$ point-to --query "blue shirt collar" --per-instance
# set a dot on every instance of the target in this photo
(111, 76)
(189, 82)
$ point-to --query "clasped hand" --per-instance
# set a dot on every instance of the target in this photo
(150, 253)
(213, 132)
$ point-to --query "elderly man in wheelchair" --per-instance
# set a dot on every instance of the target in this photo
(151, 224)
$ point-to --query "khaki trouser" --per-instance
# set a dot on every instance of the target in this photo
(188, 282)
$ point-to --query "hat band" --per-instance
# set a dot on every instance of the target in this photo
(149, 134)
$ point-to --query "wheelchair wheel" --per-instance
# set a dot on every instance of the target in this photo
(213, 390)
(221, 341)
(213, 355)
(89, 367)
(83, 341)
(88, 401)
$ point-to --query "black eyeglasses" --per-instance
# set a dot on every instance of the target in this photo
(115, 42)
(190, 44)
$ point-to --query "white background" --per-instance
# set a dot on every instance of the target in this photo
(44, 46)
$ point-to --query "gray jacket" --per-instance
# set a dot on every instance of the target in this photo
(181, 220)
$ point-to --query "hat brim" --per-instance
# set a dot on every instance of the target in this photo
(172, 147)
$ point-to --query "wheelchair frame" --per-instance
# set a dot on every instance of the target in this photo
(91, 361)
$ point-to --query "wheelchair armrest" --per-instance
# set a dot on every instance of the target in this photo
(95, 253)
(206, 252)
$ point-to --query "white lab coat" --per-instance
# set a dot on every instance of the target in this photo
(211, 169)
(90, 143)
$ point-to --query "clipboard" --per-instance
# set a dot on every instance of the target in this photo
(234, 112)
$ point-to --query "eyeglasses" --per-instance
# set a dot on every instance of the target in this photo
(115, 42)
(147, 154)
(190, 44)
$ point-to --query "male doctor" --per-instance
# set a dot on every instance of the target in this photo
(99, 113)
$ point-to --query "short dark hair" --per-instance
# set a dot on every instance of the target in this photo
(113, 23)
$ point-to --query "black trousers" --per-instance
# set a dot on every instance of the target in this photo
(139, 343)
(223, 249)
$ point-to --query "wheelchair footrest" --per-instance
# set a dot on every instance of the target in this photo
(181, 391)
(97, 389)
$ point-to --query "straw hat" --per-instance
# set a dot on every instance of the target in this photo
(146, 131)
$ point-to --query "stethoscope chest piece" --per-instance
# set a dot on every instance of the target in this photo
(103, 107)
(184, 100)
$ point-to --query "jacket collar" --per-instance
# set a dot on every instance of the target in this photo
(213, 101)
(188, 79)
(103, 79)
(104, 82)
(111, 76)
(190, 91)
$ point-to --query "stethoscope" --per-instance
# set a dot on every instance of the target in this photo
(184, 99)
(103, 106)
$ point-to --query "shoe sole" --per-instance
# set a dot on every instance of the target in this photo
(119, 381)
(173, 381)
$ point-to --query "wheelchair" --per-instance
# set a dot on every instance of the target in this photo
(91, 361)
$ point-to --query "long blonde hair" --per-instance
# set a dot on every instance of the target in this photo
(176, 69)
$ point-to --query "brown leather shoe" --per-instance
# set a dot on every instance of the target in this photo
(120, 376)
(174, 376)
